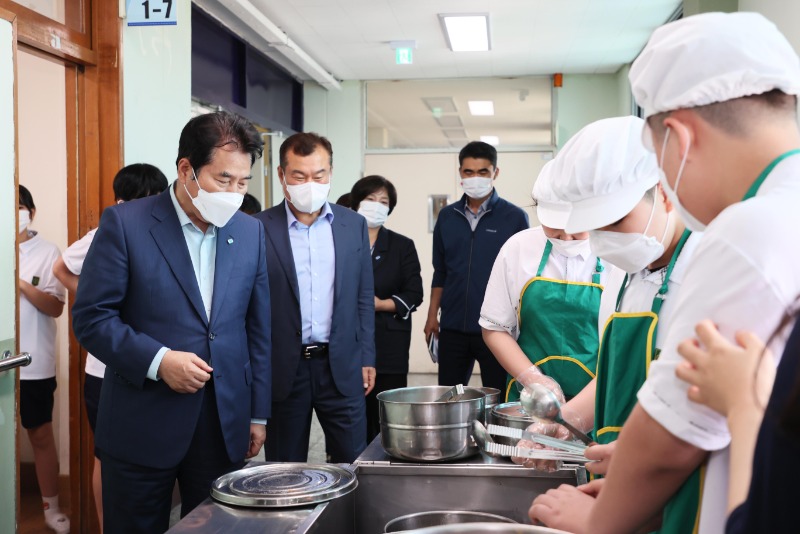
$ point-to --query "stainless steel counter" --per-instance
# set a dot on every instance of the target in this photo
(389, 488)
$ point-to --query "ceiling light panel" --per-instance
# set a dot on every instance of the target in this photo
(491, 139)
(468, 32)
(481, 108)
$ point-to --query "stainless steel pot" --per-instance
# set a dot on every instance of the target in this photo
(491, 400)
(490, 528)
(510, 414)
(417, 428)
(432, 519)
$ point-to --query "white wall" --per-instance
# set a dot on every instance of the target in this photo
(418, 175)
(157, 90)
(624, 94)
(339, 116)
(785, 15)
(43, 170)
(585, 98)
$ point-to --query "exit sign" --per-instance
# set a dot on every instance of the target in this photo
(403, 56)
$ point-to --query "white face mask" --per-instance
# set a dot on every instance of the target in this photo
(24, 220)
(374, 212)
(477, 187)
(672, 194)
(571, 248)
(215, 208)
(631, 252)
(308, 197)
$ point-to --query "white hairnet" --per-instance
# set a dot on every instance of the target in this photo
(712, 57)
(603, 172)
(550, 210)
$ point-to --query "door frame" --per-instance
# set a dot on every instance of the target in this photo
(94, 154)
(12, 18)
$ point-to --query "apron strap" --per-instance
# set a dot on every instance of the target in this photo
(763, 176)
(658, 300)
(598, 268)
(545, 255)
(622, 289)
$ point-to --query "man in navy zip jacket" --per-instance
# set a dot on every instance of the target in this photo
(466, 240)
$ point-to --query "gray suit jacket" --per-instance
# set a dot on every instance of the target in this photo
(352, 339)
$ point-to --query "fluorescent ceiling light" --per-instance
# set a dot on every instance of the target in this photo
(491, 139)
(466, 32)
(481, 107)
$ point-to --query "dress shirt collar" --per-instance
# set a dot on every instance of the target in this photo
(182, 217)
(326, 212)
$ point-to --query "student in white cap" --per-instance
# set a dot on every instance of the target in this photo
(719, 93)
(611, 181)
(545, 301)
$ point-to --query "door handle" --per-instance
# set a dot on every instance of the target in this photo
(7, 362)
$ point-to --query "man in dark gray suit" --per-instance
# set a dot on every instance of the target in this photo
(323, 314)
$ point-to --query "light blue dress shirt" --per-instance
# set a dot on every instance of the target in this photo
(473, 218)
(203, 251)
(315, 264)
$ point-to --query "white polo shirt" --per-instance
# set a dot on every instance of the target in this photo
(518, 262)
(744, 275)
(37, 331)
(73, 259)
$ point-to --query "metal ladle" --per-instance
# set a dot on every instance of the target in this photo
(541, 403)
(481, 435)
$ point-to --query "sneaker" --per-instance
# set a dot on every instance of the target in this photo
(58, 522)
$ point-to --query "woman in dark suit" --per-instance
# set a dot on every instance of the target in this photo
(398, 289)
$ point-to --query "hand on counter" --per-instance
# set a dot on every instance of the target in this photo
(566, 508)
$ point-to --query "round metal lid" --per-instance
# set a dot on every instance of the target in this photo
(511, 411)
(283, 484)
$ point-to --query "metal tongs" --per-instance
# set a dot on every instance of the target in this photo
(452, 394)
(536, 454)
(548, 441)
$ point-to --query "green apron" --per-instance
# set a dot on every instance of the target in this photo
(558, 328)
(628, 347)
(682, 512)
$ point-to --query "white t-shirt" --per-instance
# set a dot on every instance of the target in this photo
(744, 275)
(644, 285)
(73, 259)
(518, 262)
(37, 330)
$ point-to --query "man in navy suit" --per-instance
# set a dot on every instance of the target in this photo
(174, 299)
(320, 276)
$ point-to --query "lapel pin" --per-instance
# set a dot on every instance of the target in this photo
(230, 241)
(377, 258)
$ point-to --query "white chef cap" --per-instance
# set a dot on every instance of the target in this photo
(709, 58)
(603, 172)
(550, 210)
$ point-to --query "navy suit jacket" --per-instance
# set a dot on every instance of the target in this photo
(138, 293)
(352, 338)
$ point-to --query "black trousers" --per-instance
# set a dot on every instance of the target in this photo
(457, 354)
(383, 382)
(138, 499)
(343, 418)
